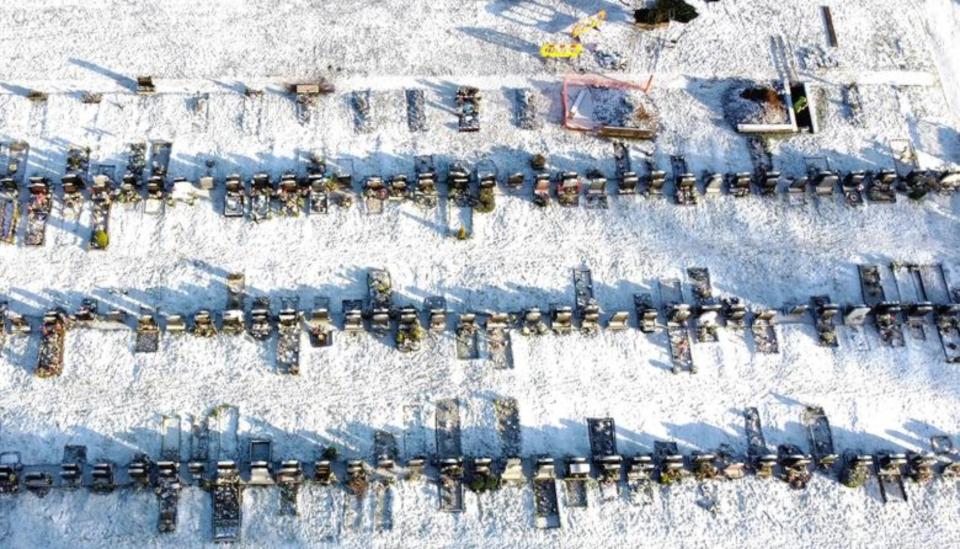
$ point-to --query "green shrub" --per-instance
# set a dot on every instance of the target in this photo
(484, 483)
(669, 478)
(101, 239)
(486, 201)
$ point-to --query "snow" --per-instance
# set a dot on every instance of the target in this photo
(764, 251)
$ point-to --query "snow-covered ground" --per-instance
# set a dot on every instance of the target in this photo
(899, 55)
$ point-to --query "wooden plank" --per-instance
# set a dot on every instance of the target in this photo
(831, 30)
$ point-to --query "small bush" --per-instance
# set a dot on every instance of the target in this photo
(854, 481)
(415, 334)
(486, 201)
(669, 478)
(101, 240)
(219, 409)
(484, 483)
(477, 484)
(538, 162)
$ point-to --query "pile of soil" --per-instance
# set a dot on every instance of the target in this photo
(755, 103)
